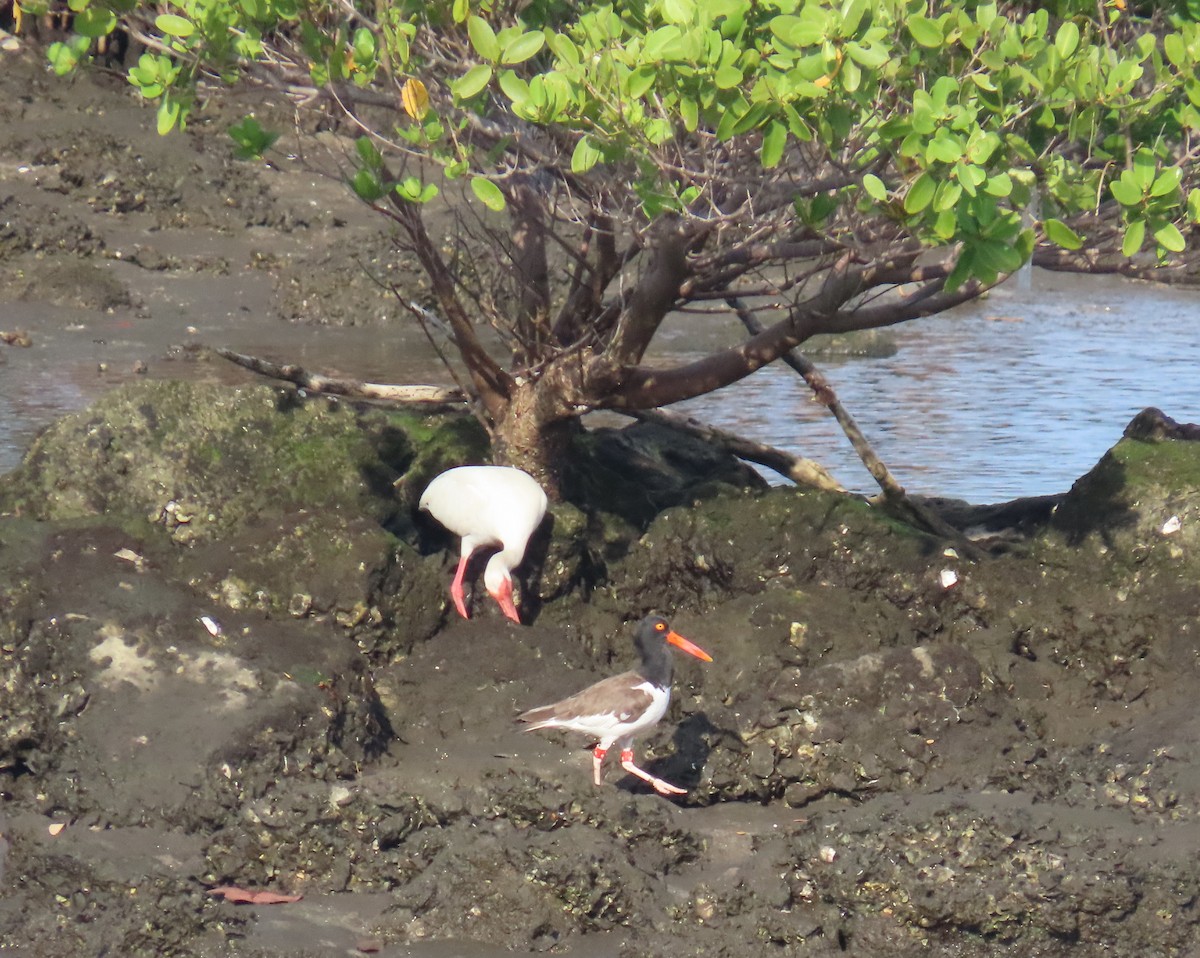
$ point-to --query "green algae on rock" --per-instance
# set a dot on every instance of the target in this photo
(1142, 499)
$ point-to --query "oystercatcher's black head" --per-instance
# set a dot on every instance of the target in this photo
(651, 638)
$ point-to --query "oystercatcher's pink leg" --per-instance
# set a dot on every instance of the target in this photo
(663, 788)
(456, 587)
(598, 754)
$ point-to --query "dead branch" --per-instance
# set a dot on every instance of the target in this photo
(801, 471)
(894, 494)
(352, 388)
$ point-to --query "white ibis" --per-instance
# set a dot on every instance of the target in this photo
(487, 506)
(616, 709)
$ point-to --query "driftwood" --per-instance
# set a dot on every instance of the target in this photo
(895, 498)
(353, 388)
(799, 470)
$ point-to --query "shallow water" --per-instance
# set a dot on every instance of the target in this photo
(1017, 395)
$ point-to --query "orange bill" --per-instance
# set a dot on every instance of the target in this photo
(688, 646)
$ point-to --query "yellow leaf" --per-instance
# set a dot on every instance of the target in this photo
(415, 99)
(822, 81)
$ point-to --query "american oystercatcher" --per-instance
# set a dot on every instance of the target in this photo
(487, 506)
(616, 709)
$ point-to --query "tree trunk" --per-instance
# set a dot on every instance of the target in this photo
(535, 434)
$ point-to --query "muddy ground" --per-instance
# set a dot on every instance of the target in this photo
(227, 659)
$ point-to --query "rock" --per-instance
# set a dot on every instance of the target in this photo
(1141, 501)
(272, 495)
(638, 471)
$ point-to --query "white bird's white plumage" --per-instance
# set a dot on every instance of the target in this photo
(487, 506)
(612, 726)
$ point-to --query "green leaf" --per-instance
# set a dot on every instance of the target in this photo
(947, 196)
(413, 190)
(730, 117)
(689, 110)
(523, 48)
(62, 58)
(94, 22)
(459, 10)
(662, 44)
(875, 187)
(483, 38)
(515, 88)
(564, 49)
(999, 185)
(367, 153)
(641, 80)
(773, 142)
(944, 147)
(365, 48)
(962, 269)
(471, 82)
(252, 140)
(1066, 41)
(998, 257)
(872, 57)
(920, 194)
(852, 14)
(488, 193)
(366, 184)
(1125, 192)
(926, 32)
(1167, 182)
(945, 225)
(174, 26)
(1060, 234)
(851, 76)
(585, 156)
(727, 78)
(1175, 49)
(678, 11)
(807, 30)
(1169, 238)
(1135, 235)
(1145, 166)
(168, 115)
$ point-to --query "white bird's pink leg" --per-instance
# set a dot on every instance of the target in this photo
(598, 754)
(664, 788)
(456, 587)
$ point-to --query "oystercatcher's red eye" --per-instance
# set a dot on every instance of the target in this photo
(659, 626)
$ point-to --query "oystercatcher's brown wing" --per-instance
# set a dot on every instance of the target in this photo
(597, 710)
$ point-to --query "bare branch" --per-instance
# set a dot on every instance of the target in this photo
(493, 384)
(804, 472)
(353, 388)
(645, 388)
(1113, 261)
(654, 296)
(532, 270)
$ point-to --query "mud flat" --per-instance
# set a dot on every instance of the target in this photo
(228, 659)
